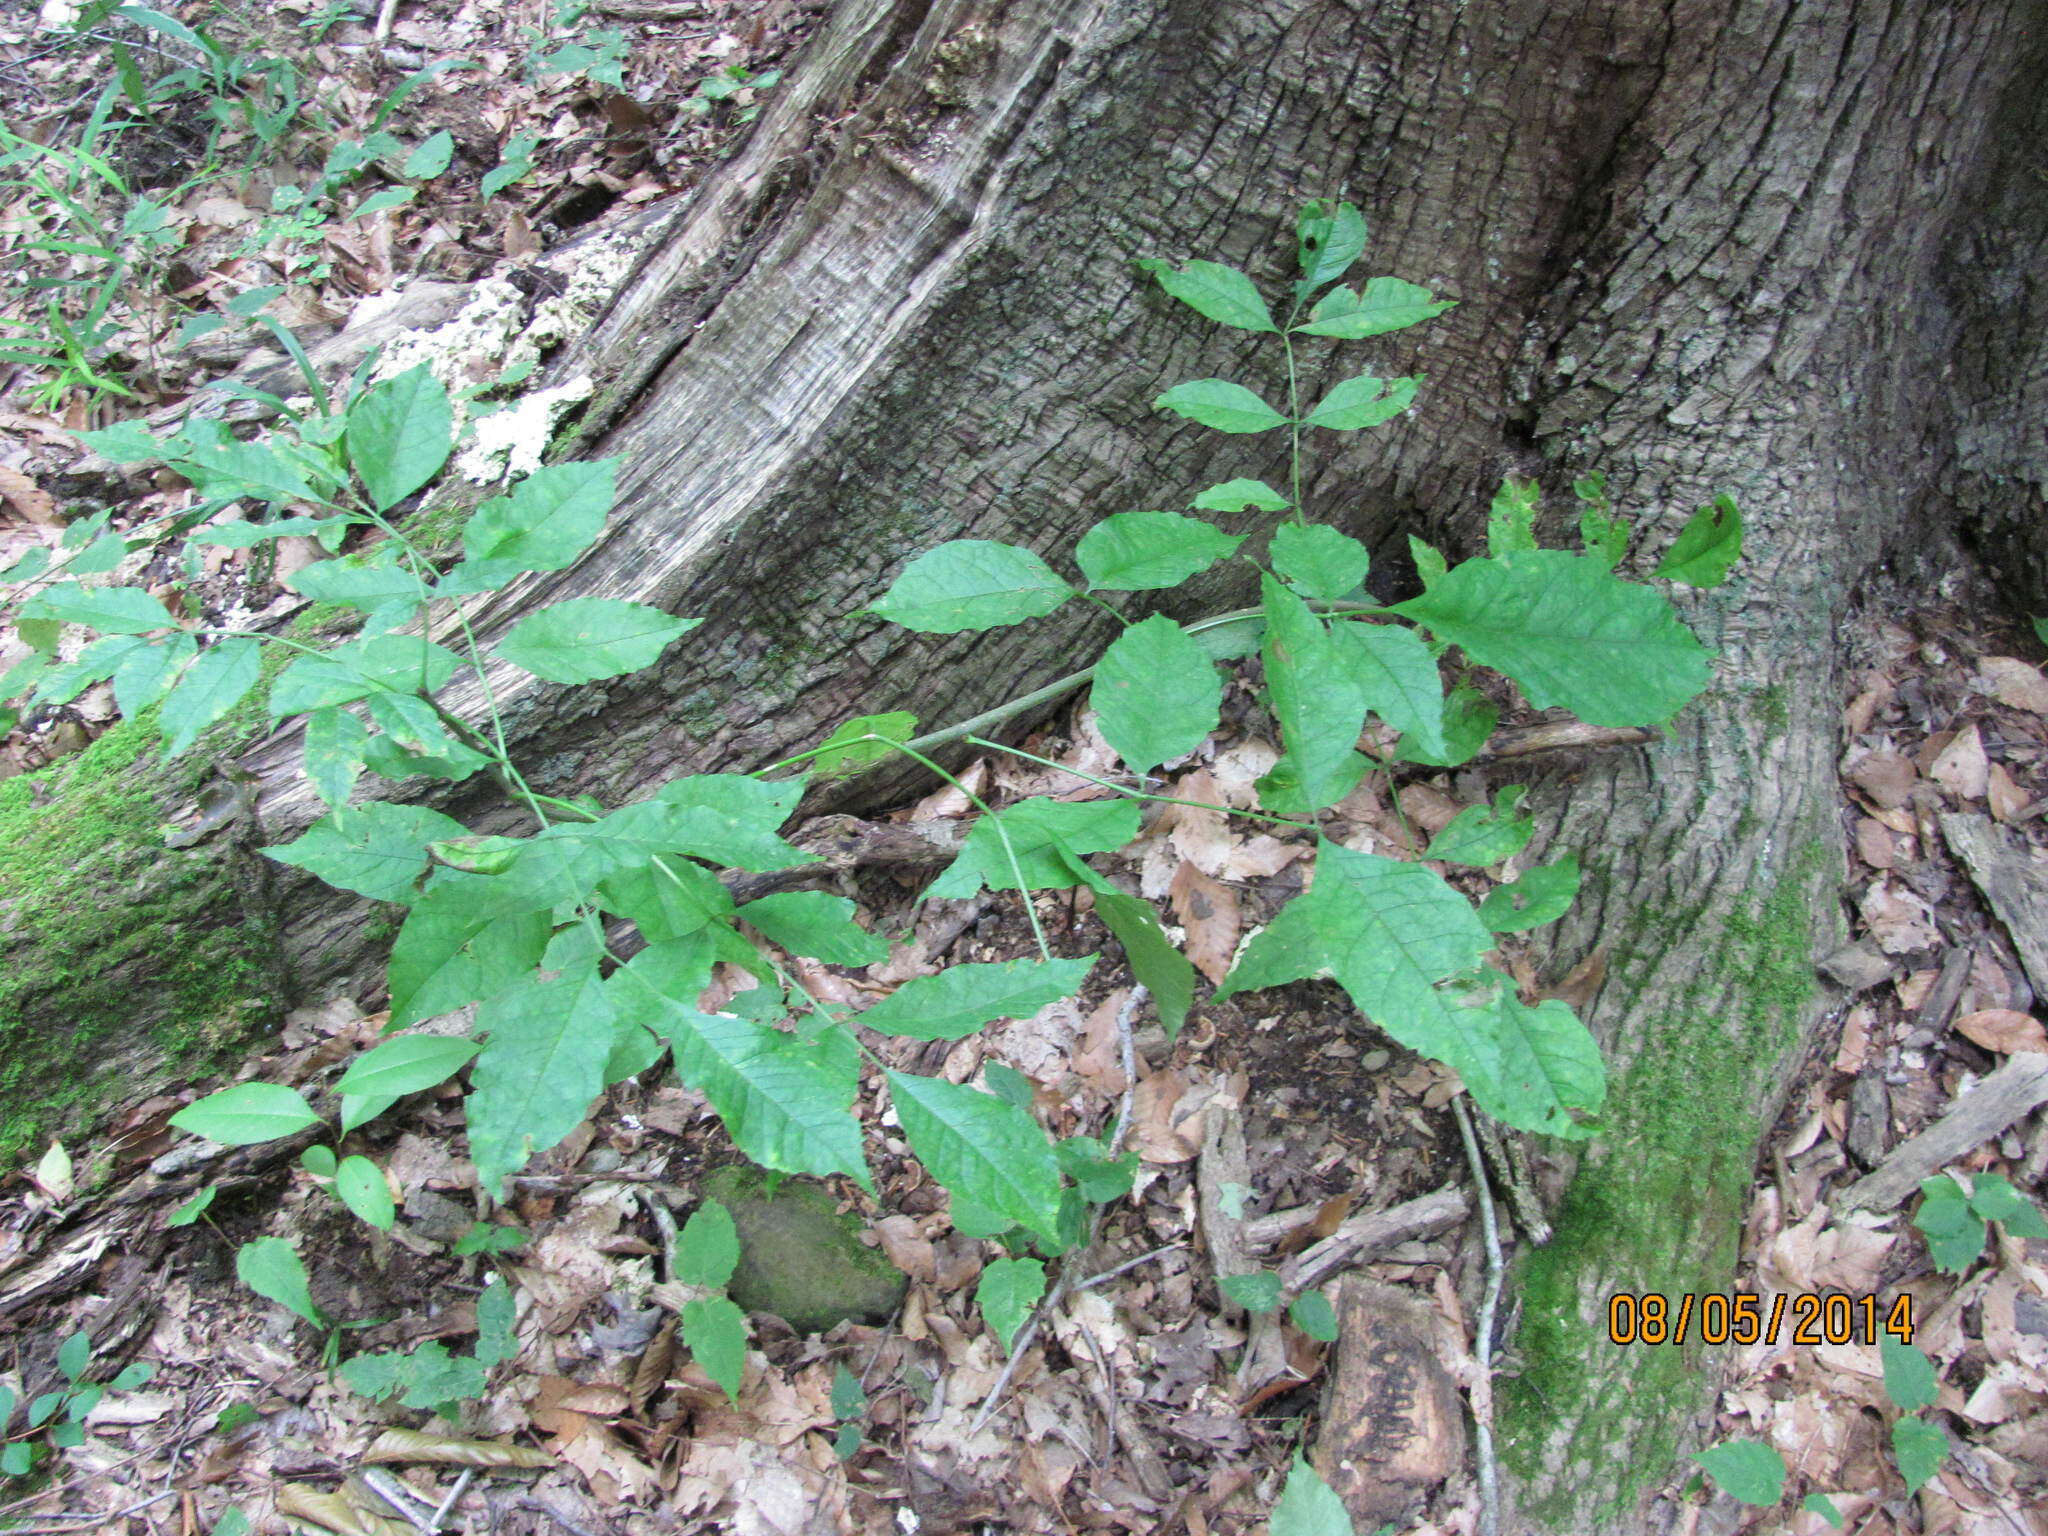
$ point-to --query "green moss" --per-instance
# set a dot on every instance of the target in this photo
(118, 949)
(1658, 1208)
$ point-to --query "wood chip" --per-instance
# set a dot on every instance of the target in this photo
(1393, 1428)
(1987, 1109)
(2013, 885)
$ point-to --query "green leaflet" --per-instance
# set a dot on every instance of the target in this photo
(1570, 633)
(361, 581)
(1220, 404)
(460, 945)
(399, 432)
(817, 925)
(1909, 1379)
(64, 682)
(1481, 835)
(1008, 1291)
(247, 1114)
(541, 1065)
(588, 638)
(110, 610)
(971, 584)
(846, 750)
(544, 524)
(359, 1184)
(271, 1268)
(1314, 699)
(960, 999)
(211, 687)
(1308, 1506)
(1145, 551)
(1708, 546)
(1542, 895)
(399, 663)
(784, 1101)
(1212, 289)
(715, 1332)
(1511, 524)
(377, 850)
(666, 898)
(1156, 694)
(980, 1147)
(1036, 828)
(1318, 561)
(1362, 402)
(1919, 1448)
(147, 673)
(1386, 304)
(1531, 1067)
(708, 1248)
(406, 1064)
(1469, 719)
(1397, 678)
(1746, 1470)
(733, 818)
(332, 750)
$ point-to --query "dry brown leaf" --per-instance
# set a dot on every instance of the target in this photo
(2013, 682)
(303, 1502)
(2006, 799)
(907, 1247)
(1577, 986)
(1876, 693)
(34, 503)
(443, 1450)
(2003, 1029)
(1886, 777)
(1961, 767)
(1208, 911)
(1874, 843)
(1261, 856)
(1155, 1130)
(1855, 1043)
(1897, 918)
(650, 1372)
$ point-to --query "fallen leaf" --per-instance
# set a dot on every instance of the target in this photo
(1874, 843)
(1209, 913)
(34, 503)
(1962, 767)
(1886, 777)
(1899, 920)
(2003, 1029)
(2007, 799)
(2013, 682)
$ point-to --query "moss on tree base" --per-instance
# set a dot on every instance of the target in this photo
(123, 962)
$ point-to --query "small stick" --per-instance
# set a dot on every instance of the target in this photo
(441, 1510)
(1482, 1343)
(409, 1505)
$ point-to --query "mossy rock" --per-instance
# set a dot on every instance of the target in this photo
(800, 1257)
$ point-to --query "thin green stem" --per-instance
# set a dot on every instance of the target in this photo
(1002, 836)
(1107, 607)
(1293, 414)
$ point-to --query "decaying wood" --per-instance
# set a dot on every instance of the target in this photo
(2015, 887)
(1374, 1232)
(1393, 1425)
(1987, 1109)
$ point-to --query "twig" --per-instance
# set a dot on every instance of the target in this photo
(385, 13)
(1109, 1432)
(1482, 1343)
(61, 1525)
(1128, 1264)
(441, 1510)
(410, 1506)
(1127, 1058)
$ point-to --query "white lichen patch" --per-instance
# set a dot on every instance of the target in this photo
(509, 443)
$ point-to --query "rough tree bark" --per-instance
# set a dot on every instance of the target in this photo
(1777, 248)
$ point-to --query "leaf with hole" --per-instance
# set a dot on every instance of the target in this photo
(1708, 546)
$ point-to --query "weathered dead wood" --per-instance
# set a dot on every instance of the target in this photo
(1998, 1101)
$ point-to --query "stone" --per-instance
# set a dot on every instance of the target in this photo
(1854, 966)
(800, 1257)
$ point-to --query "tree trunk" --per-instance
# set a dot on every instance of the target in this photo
(1770, 248)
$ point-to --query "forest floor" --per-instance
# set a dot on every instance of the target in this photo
(1272, 1132)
